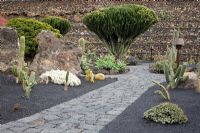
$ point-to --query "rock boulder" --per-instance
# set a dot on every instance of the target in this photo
(55, 53)
(8, 49)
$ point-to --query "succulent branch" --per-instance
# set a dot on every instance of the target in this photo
(164, 92)
(66, 81)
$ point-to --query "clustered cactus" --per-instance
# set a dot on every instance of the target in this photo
(28, 81)
(174, 76)
(21, 71)
(89, 76)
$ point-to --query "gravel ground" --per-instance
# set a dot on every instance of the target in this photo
(131, 120)
(42, 97)
(90, 112)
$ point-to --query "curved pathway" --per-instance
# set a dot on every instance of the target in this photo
(90, 112)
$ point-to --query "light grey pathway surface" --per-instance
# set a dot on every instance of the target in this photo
(89, 112)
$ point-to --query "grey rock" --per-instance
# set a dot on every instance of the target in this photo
(8, 49)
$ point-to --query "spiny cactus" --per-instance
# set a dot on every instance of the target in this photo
(164, 92)
(21, 63)
(28, 82)
(89, 76)
(82, 44)
(66, 80)
(174, 78)
(171, 55)
(21, 71)
(176, 34)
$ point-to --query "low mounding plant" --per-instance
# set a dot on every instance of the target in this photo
(166, 113)
(30, 28)
(59, 23)
(118, 26)
(157, 67)
(108, 62)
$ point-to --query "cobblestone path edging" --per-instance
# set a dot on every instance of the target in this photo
(90, 112)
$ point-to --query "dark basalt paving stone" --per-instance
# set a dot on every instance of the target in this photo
(42, 96)
(131, 120)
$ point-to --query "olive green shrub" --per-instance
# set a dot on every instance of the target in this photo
(30, 28)
(63, 25)
(166, 113)
(118, 26)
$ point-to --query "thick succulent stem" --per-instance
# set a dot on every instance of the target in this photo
(20, 64)
(164, 92)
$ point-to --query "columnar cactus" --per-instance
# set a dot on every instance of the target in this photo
(173, 74)
(174, 78)
(28, 82)
(20, 63)
(66, 80)
(22, 72)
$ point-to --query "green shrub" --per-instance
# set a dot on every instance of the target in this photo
(59, 23)
(30, 28)
(108, 62)
(118, 26)
(157, 67)
(166, 113)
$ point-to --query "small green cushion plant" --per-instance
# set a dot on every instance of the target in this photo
(30, 28)
(108, 62)
(62, 24)
(166, 113)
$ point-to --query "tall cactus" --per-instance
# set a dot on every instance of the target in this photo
(20, 64)
(82, 44)
(28, 80)
(171, 55)
(66, 81)
(174, 78)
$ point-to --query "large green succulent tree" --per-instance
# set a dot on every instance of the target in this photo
(118, 26)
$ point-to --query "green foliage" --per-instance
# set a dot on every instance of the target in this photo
(108, 62)
(30, 28)
(59, 23)
(118, 26)
(164, 92)
(157, 67)
(166, 113)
